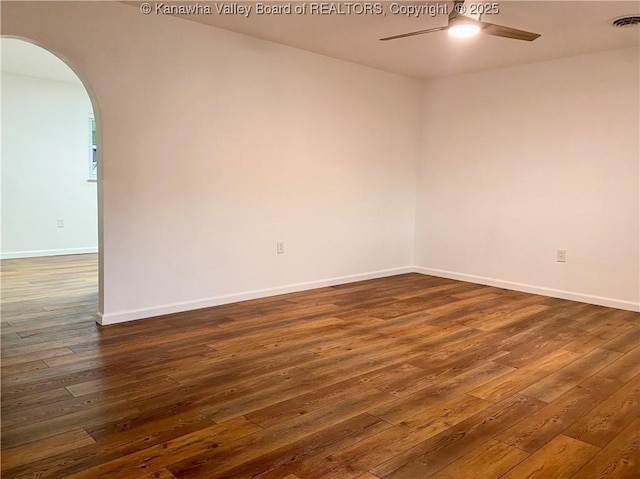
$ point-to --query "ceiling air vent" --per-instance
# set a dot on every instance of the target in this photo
(627, 21)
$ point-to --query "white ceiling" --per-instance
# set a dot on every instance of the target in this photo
(568, 28)
(23, 58)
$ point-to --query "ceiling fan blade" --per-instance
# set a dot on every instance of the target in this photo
(420, 32)
(507, 32)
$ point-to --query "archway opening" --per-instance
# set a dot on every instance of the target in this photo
(51, 228)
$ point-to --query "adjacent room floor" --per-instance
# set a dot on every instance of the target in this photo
(410, 376)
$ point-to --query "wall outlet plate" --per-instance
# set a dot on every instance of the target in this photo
(561, 256)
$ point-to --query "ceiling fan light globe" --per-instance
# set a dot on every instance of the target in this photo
(464, 30)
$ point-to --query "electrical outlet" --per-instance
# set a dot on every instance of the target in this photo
(561, 256)
(60, 222)
(280, 247)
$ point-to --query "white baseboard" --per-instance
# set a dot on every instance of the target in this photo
(47, 252)
(527, 288)
(130, 315)
(141, 313)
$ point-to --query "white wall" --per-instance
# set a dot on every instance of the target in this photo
(216, 145)
(520, 162)
(45, 154)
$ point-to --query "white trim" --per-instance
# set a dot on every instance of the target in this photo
(528, 288)
(47, 252)
(141, 313)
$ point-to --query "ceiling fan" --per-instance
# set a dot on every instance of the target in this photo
(462, 25)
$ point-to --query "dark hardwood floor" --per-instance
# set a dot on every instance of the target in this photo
(404, 377)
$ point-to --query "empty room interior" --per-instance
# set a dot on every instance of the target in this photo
(320, 240)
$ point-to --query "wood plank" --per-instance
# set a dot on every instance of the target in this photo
(50, 446)
(111, 449)
(159, 474)
(39, 353)
(558, 383)
(561, 458)
(21, 368)
(624, 342)
(538, 346)
(216, 461)
(602, 424)
(324, 396)
(544, 425)
(32, 399)
(624, 368)
(493, 458)
(68, 422)
(307, 451)
(371, 452)
(620, 459)
(157, 457)
(412, 405)
(518, 380)
(436, 453)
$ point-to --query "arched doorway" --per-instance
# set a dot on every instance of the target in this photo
(51, 176)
